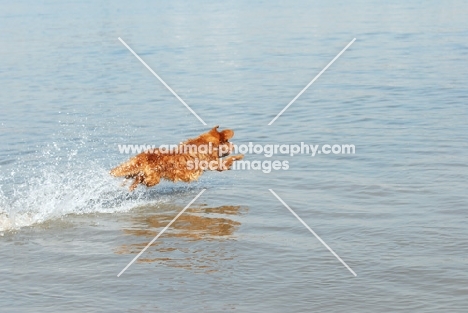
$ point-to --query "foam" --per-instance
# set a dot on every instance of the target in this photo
(53, 194)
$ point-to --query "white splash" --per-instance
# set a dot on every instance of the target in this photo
(56, 192)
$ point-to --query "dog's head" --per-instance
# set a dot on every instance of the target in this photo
(222, 136)
(219, 140)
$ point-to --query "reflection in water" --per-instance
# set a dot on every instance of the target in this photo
(204, 231)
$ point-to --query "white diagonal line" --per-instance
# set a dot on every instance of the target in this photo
(162, 81)
(313, 233)
(162, 231)
(313, 80)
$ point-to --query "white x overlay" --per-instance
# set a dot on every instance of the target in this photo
(161, 232)
(162, 81)
(272, 121)
(313, 80)
(313, 233)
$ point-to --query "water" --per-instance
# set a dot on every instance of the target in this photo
(395, 211)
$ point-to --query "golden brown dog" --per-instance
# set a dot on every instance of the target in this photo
(185, 162)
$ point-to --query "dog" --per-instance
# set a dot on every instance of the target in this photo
(185, 162)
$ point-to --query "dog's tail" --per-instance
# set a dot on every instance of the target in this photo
(127, 169)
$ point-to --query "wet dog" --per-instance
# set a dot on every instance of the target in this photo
(184, 162)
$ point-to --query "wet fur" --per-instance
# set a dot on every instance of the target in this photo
(148, 168)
